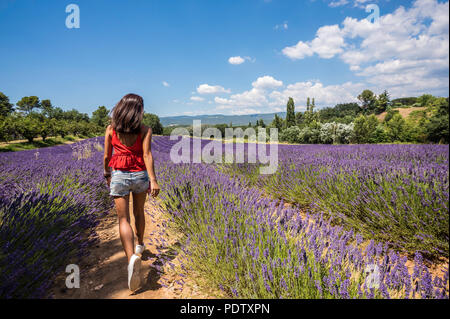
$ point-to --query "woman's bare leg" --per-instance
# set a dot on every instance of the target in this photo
(125, 230)
(139, 216)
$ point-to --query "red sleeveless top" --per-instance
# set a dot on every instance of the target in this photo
(127, 158)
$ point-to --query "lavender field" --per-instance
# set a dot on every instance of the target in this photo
(311, 230)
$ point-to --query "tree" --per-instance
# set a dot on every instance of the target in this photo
(367, 99)
(6, 108)
(260, 123)
(298, 118)
(328, 133)
(75, 116)
(57, 113)
(61, 127)
(277, 122)
(344, 133)
(364, 129)
(152, 120)
(100, 117)
(425, 99)
(28, 103)
(380, 136)
(437, 127)
(291, 135)
(308, 103)
(290, 113)
(28, 126)
(340, 111)
(372, 123)
(390, 114)
(396, 128)
(310, 134)
(383, 102)
(332, 133)
(47, 108)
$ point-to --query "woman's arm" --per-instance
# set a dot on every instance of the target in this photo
(108, 153)
(149, 163)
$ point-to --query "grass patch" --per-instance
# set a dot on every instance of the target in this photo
(39, 143)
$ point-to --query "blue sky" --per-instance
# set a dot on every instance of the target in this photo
(220, 56)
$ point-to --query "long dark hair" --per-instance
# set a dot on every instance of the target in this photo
(127, 114)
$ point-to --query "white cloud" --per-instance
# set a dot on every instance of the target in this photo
(235, 60)
(405, 51)
(324, 95)
(256, 97)
(298, 51)
(266, 82)
(197, 98)
(211, 89)
(165, 84)
(264, 96)
(356, 3)
(328, 42)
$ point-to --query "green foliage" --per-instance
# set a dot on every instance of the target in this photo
(380, 135)
(278, 122)
(368, 100)
(6, 108)
(291, 135)
(100, 117)
(260, 123)
(389, 114)
(47, 107)
(310, 134)
(75, 116)
(28, 103)
(364, 129)
(344, 113)
(152, 120)
(437, 127)
(28, 126)
(336, 133)
(383, 102)
(396, 128)
(405, 101)
(290, 113)
(425, 100)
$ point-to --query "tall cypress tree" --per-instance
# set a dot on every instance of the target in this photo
(290, 113)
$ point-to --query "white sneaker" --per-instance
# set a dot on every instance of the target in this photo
(134, 270)
(139, 249)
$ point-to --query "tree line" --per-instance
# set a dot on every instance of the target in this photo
(358, 123)
(31, 117)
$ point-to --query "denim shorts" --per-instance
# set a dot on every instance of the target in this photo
(122, 183)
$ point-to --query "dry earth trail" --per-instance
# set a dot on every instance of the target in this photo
(103, 274)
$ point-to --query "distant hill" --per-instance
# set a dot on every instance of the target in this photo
(236, 120)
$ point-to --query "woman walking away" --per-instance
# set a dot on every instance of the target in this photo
(132, 171)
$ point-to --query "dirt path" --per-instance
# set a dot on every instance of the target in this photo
(103, 273)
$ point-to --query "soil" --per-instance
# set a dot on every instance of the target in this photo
(103, 273)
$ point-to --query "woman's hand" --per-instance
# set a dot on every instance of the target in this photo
(108, 181)
(153, 188)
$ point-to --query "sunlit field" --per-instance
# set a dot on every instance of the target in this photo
(310, 230)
